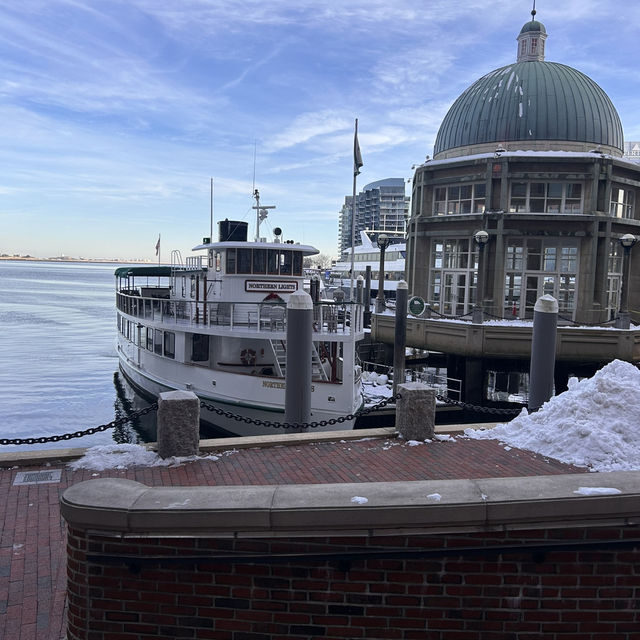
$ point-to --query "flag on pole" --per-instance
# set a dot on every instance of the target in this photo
(158, 246)
(357, 157)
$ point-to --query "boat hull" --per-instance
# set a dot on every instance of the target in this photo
(234, 415)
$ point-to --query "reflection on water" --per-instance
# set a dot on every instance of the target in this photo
(142, 428)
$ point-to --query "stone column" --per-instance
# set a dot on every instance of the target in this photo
(178, 424)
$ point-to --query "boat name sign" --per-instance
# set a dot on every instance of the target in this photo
(286, 286)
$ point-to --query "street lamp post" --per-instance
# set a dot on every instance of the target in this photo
(481, 238)
(623, 320)
(383, 242)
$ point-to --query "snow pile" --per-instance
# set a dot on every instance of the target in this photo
(595, 423)
(123, 456)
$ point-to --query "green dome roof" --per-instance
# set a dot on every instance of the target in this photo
(533, 25)
(530, 101)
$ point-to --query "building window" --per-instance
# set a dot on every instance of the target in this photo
(453, 277)
(537, 267)
(452, 200)
(545, 197)
(622, 202)
(615, 265)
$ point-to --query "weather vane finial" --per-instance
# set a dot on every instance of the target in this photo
(533, 11)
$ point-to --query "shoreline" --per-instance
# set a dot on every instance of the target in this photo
(81, 260)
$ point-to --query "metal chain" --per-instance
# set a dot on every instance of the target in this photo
(239, 418)
(79, 434)
(296, 425)
(473, 407)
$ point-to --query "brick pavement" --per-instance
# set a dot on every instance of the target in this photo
(32, 542)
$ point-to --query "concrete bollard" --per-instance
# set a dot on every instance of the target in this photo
(400, 335)
(178, 423)
(543, 351)
(416, 411)
(298, 374)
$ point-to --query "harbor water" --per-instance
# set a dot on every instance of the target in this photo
(59, 368)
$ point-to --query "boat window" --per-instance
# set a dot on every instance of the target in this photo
(231, 260)
(285, 263)
(272, 261)
(218, 262)
(210, 253)
(193, 286)
(143, 336)
(157, 342)
(297, 263)
(259, 261)
(169, 344)
(244, 260)
(150, 339)
(199, 347)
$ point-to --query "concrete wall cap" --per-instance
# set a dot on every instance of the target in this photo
(430, 505)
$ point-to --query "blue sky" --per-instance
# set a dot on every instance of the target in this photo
(115, 115)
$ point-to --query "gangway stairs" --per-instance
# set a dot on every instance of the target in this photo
(280, 351)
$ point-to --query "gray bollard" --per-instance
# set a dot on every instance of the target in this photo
(400, 337)
(178, 424)
(416, 411)
(298, 374)
(543, 351)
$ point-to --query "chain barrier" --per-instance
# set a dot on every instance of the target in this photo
(79, 434)
(473, 407)
(296, 425)
(248, 420)
(458, 317)
(587, 324)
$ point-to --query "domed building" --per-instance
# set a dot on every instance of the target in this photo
(527, 194)
(531, 153)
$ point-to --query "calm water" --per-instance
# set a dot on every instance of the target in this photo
(58, 364)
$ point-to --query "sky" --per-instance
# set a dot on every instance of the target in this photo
(115, 116)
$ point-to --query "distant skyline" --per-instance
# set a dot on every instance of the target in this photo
(114, 116)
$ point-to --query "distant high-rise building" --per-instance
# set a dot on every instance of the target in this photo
(632, 151)
(380, 206)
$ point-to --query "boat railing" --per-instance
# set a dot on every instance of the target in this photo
(446, 386)
(329, 318)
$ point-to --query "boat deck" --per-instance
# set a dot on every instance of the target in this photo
(32, 546)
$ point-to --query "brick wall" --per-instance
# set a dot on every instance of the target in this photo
(423, 587)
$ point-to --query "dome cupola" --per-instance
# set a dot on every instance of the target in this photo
(531, 105)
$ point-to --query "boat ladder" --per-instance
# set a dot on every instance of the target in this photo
(280, 352)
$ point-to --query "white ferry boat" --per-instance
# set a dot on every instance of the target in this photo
(368, 254)
(217, 324)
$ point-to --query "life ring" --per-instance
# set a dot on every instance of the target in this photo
(248, 357)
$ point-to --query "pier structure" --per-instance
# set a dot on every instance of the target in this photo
(527, 194)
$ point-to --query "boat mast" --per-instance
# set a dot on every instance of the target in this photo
(211, 213)
(261, 212)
